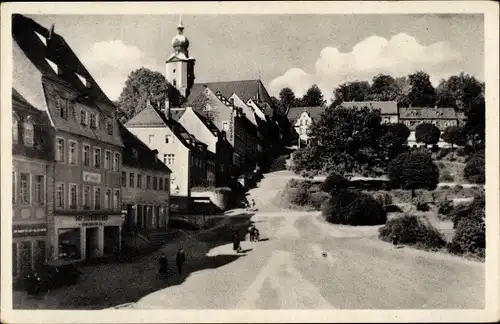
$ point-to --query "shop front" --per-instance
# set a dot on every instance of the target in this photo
(84, 237)
(28, 247)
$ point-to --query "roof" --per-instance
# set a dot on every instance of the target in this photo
(295, 112)
(177, 113)
(386, 107)
(151, 117)
(43, 148)
(137, 154)
(245, 89)
(427, 113)
(208, 123)
(24, 33)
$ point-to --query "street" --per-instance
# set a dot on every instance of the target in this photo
(290, 271)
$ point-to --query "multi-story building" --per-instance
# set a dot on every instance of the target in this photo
(301, 119)
(206, 131)
(32, 174)
(388, 109)
(145, 186)
(180, 150)
(86, 219)
(441, 117)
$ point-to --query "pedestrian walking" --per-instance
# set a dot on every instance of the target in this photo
(236, 242)
(251, 232)
(257, 235)
(179, 260)
(253, 204)
(163, 265)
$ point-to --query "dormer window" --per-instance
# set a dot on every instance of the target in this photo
(94, 123)
(85, 82)
(84, 117)
(62, 107)
(43, 39)
(28, 133)
(15, 130)
(109, 126)
(53, 66)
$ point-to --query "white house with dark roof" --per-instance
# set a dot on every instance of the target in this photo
(301, 119)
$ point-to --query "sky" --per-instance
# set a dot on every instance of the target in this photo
(293, 51)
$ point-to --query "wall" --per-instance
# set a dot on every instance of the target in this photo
(180, 168)
(220, 200)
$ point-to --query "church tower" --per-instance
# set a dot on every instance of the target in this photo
(180, 66)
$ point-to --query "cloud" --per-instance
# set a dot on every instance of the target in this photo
(110, 63)
(398, 56)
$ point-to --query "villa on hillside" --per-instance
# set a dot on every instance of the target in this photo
(301, 119)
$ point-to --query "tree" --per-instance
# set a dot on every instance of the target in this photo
(384, 88)
(391, 143)
(399, 130)
(474, 170)
(427, 133)
(413, 170)
(313, 97)
(351, 91)
(343, 140)
(422, 93)
(455, 135)
(287, 99)
(142, 85)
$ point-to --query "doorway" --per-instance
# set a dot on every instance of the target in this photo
(91, 242)
(111, 239)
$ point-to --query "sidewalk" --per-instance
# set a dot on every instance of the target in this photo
(112, 284)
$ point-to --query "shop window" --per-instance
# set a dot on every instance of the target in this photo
(40, 190)
(73, 147)
(69, 243)
(26, 256)
(25, 188)
(86, 155)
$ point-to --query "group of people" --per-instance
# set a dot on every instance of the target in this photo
(254, 237)
(180, 259)
(254, 234)
(251, 205)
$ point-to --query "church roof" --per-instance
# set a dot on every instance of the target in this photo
(245, 89)
(386, 107)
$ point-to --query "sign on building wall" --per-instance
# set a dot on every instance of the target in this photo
(29, 230)
(91, 177)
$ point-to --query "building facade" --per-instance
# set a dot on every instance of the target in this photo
(388, 109)
(301, 119)
(32, 174)
(441, 117)
(86, 219)
(145, 186)
(180, 151)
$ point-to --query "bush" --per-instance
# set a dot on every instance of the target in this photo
(301, 196)
(383, 198)
(474, 169)
(410, 230)
(413, 171)
(445, 207)
(458, 188)
(445, 187)
(318, 199)
(441, 165)
(334, 182)
(469, 237)
(421, 204)
(293, 183)
(353, 208)
(446, 177)
(475, 210)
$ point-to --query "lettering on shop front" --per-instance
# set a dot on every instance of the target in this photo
(88, 218)
(92, 224)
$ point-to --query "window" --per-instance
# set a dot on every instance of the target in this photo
(155, 184)
(84, 117)
(107, 160)
(62, 105)
(14, 187)
(60, 150)
(93, 120)
(166, 184)
(148, 182)
(109, 126)
(97, 198)
(25, 188)
(73, 196)
(72, 152)
(151, 138)
(15, 130)
(116, 162)
(139, 181)
(167, 138)
(86, 197)
(86, 155)
(97, 158)
(124, 179)
(225, 126)
(169, 159)
(173, 70)
(107, 199)
(40, 190)
(28, 133)
(116, 199)
(160, 184)
(131, 180)
(60, 195)
(174, 82)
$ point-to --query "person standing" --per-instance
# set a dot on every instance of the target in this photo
(163, 265)
(179, 260)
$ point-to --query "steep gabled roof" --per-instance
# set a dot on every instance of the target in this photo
(386, 107)
(208, 124)
(427, 113)
(151, 117)
(245, 89)
(248, 110)
(295, 112)
(137, 154)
